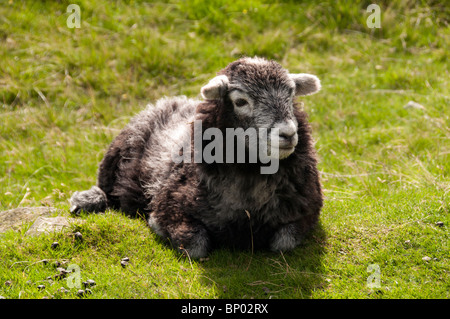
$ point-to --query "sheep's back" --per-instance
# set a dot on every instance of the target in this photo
(140, 158)
(169, 120)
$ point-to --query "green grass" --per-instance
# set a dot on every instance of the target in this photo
(65, 93)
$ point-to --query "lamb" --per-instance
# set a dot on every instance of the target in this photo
(200, 206)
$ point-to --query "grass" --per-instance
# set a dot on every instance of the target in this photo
(65, 93)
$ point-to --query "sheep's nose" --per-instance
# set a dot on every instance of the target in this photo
(288, 134)
(287, 130)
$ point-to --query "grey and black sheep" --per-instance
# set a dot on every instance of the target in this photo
(202, 205)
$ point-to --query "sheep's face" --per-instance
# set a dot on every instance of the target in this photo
(261, 94)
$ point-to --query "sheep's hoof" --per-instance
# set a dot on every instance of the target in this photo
(75, 210)
(284, 239)
(194, 252)
(197, 247)
(92, 200)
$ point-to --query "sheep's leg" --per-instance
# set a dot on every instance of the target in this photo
(92, 200)
(286, 238)
(185, 234)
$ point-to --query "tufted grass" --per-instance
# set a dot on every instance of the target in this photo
(65, 93)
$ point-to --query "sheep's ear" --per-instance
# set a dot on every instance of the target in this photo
(305, 84)
(216, 88)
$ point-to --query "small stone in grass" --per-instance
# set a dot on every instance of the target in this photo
(55, 245)
(124, 261)
(40, 287)
(426, 258)
(414, 105)
(8, 283)
(80, 292)
(440, 224)
(61, 270)
(78, 236)
(63, 290)
(89, 283)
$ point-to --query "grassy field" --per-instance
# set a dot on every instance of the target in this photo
(66, 92)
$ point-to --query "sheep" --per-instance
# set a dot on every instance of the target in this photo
(200, 206)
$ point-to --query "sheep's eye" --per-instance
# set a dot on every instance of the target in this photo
(240, 102)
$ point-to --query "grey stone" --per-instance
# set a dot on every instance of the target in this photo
(78, 236)
(48, 224)
(414, 105)
(15, 218)
(55, 245)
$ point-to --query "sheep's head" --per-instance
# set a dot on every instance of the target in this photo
(260, 94)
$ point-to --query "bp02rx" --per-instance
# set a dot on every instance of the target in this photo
(246, 308)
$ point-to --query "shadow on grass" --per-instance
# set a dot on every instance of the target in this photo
(236, 274)
(295, 274)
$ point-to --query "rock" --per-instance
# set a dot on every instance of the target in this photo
(414, 105)
(8, 283)
(426, 258)
(62, 270)
(54, 245)
(40, 287)
(89, 283)
(440, 224)
(80, 292)
(78, 236)
(15, 218)
(124, 261)
(63, 290)
(48, 224)
(62, 273)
